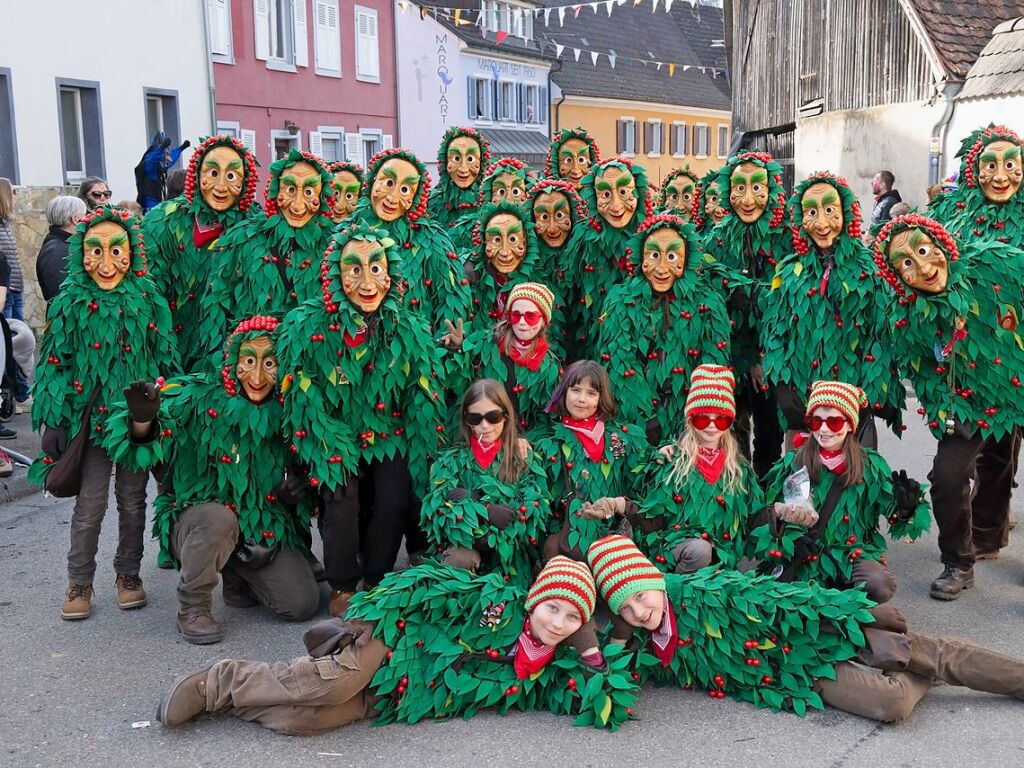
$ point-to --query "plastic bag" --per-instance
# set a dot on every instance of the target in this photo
(796, 490)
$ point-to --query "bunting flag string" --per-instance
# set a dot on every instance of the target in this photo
(608, 5)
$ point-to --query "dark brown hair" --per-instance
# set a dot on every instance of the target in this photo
(593, 372)
(853, 457)
(511, 465)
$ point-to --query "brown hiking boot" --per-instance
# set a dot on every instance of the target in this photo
(339, 603)
(184, 701)
(77, 602)
(952, 583)
(130, 593)
(200, 628)
(987, 554)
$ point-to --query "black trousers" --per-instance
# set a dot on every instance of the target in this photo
(757, 413)
(379, 538)
(977, 521)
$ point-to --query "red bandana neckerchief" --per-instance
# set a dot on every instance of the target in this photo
(590, 433)
(484, 453)
(355, 341)
(663, 639)
(834, 460)
(203, 236)
(710, 462)
(530, 655)
(518, 355)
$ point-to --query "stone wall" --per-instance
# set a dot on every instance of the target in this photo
(30, 228)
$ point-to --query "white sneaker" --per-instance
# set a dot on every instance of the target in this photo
(23, 407)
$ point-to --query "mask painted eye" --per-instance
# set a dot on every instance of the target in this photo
(213, 173)
(907, 263)
(991, 166)
(560, 216)
(471, 160)
(97, 252)
(376, 269)
(500, 192)
(606, 195)
(290, 190)
(270, 363)
(1010, 165)
(923, 251)
(757, 189)
(627, 193)
(811, 213)
(116, 251)
(406, 189)
(517, 192)
(652, 255)
(673, 256)
(673, 195)
(356, 271)
(249, 360)
(583, 161)
(231, 175)
(309, 192)
(830, 210)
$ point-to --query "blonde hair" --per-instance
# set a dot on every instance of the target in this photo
(6, 199)
(685, 462)
(504, 332)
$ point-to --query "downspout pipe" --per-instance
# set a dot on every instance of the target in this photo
(941, 129)
(211, 90)
(558, 123)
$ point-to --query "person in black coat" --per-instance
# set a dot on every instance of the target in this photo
(62, 214)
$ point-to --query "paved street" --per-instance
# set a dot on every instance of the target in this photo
(71, 691)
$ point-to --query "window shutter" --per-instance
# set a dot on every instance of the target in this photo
(301, 33)
(367, 52)
(219, 15)
(261, 23)
(471, 104)
(354, 148)
(316, 145)
(327, 36)
(520, 103)
(387, 141)
(248, 138)
(672, 139)
(494, 99)
(542, 110)
(648, 137)
(620, 136)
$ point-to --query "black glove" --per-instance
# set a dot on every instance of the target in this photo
(455, 495)
(907, 492)
(185, 145)
(291, 488)
(166, 143)
(55, 441)
(500, 516)
(143, 399)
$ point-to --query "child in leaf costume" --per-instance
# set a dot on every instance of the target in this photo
(707, 209)
(592, 462)
(509, 180)
(182, 235)
(516, 352)
(461, 158)
(571, 154)
(270, 266)
(782, 646)
(108, 326)
(696, 507)
(988, 203)
(837, 543)
(824, 316)
(395, 193)
(678, 193)
(348, 181)
(362, 402)
(430, 642)
(956, 315)
(615, 194)
(751, 242)
(487, 507)
(659, 324)
(228, 477)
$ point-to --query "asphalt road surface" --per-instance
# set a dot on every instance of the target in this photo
(70, 692)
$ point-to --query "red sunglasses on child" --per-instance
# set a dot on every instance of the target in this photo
(702, 420)
(835, 423)
(531, 318)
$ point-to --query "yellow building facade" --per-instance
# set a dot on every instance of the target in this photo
(658, 137)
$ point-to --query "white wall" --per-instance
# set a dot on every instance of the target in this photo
(858, 143)
(124, 45)
(975, 113)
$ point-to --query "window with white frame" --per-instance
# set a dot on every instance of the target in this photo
(723, 140)
(481, 98)
(367, 45)
(654, 137)
(506, 101)
(332, 143)
(73, 133)
(78, 108)
(701, 140)
(513, 18)
(284, 141)
(679, 140)
(229, 128)
(281, 33)
(373, 142)
(154, 116)
(625, 136)
(218, 14)
(327, 38)
(8, 139)
(529, 104)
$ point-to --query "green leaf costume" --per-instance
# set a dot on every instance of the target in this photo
(182, 241)
(667, 201)
(435, 287)
(852, 531)
(552, 165)
(360, 387)
(449, 631)
(97, 337)
(448, 201)
(448, 523)
(462, 229)
(268, 266)
(970, 374)
(340, 193)
(651, 342)
(839, 329)
(699, 217)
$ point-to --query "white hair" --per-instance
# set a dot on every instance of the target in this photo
(63, 209)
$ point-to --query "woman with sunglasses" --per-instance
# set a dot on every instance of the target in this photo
(94, 192)
(486, 507)
(696, 508)
(515, 351)
(836, 540)
(591, 460)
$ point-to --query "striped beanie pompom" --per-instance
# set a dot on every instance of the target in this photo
(538, 293)
(848, 399)
(712, 389)
(564, 579)
(621, 570)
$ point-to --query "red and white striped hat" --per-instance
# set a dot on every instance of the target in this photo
(848, 399)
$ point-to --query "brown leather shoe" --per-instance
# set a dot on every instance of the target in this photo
(339, 603)
(184, 701)
(200, 628)
(990, 554)
(77, 602)
(952, 583)
(130, 593)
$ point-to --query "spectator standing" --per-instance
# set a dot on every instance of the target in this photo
(62, 214)
(175, 183)
(94, 192)
(885, 198)
(14, 306)
(151, 172)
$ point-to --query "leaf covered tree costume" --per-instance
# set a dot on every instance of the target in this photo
(659, 324)
(348, 183)
(182, 235)
(506, 180)
(824, 316)
(556, 210)
(99, 337)
(435, 287)
(571, 154)
(270, 266)
(451, 200)
(707, 210)
(678, 193)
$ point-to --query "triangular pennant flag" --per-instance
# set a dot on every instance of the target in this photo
(685, 67)
(576, 53)
(423, 12)
(654, 5)
(459, 21)
(593, 57)
(671, 70)
(547, 15)
(558, 50)
(668, 5)
(499, 37)
(659, 66)
(593, 7)
(611, 4)
(576, 11)
(611, 59)
(561, 16)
